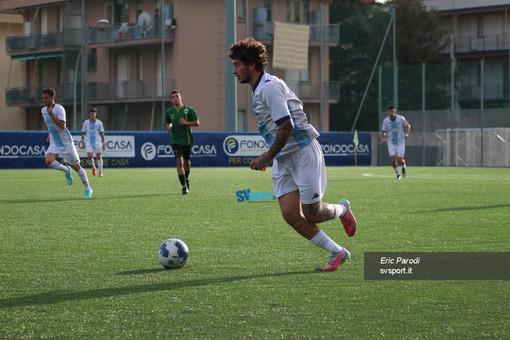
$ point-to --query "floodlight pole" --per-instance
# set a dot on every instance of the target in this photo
(395, 66)
(75, 121)
(163, 90)
(372, 74)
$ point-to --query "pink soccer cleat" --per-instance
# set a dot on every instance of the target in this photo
(337, 261)
(348, 220)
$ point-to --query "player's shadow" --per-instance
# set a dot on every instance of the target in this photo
(481, 207)
(54, 297)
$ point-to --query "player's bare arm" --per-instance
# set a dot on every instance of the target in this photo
(104, 143)
(408, 128)
(284, 131)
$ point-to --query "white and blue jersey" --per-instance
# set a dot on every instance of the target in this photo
(60, 138)
(395, 129)
(273, 103)
(93, 131)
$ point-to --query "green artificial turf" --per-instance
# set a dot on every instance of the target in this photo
(88, 268)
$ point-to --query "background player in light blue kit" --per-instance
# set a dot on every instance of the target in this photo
(92, 138)
(397, 129)
(61, 141)
(299, 171)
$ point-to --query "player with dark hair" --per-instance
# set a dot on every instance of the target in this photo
(92, 138)
(397, 128)
(299, 171)
(61, 141)
(179, 119)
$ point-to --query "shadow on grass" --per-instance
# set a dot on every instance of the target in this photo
(63, 296)
(482, 207)
(44, 200)
(142, 271)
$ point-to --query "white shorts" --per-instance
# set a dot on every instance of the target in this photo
(68, 153)
(398, 150)
(94, 149)
(302, 170)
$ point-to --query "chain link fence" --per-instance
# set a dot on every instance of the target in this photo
(459, 112)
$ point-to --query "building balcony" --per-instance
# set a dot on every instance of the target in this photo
(21, 45)
(485, 44)
(130, 34)
(310, 92)
(128, 91)
(96, 93)
(330, 33)
(491, 92)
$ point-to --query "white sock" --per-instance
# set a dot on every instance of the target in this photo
(100, 165)
(84, 178)
(340, 210)
(396, 170)
(56, 165)
(322, 240)
(92, 163)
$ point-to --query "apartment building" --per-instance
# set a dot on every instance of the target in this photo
(11, 118)
(480, 45)
(123, 44)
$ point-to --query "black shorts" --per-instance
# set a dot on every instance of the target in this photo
(183, 151)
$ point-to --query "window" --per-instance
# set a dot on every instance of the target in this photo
(268, 4)
(121, 11)
(242, 121)
(298, 12)
(92, 60)
(479, 26)
(241, 10)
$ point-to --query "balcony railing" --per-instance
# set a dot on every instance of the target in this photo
(127, 32)
(485, 43)
(15, 43)
(490, 92)
(306, 90)
(331, 33)
(127, 91)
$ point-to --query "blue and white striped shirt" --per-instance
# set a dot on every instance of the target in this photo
(93, 131)
(273, 103)
(58, 137)
(395, 129)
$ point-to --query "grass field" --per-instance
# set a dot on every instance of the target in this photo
(87, 268)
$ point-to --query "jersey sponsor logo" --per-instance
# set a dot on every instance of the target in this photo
(239, 145)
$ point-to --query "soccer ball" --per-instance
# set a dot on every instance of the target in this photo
(173, 253)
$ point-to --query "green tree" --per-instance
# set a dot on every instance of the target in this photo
(420, 39)
(420, 36)
(361, 33)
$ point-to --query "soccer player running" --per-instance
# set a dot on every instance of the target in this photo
(61, 142)
(179, 119)
(92, 137)
(299, 171)
(397, 129)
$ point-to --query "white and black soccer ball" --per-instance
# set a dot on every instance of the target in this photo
(173, 253)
